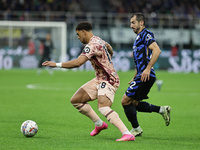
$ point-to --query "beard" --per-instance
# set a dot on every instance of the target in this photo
(136, 30)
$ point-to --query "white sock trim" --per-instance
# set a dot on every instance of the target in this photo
(98, 123)
(162, 109)
(126, 132)
(138, 128)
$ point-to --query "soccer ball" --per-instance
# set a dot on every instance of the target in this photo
(29, 128)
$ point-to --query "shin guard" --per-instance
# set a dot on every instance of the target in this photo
(113, 118)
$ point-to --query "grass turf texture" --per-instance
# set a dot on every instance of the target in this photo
(62, 127)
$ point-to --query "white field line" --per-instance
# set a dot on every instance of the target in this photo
(42, 87)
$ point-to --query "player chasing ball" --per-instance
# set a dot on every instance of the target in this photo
(145, 53)
(102, 87)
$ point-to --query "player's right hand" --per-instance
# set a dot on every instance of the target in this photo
(49, 64)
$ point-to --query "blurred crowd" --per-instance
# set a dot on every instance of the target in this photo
(42, 5)
(74, 10)
(175, 7)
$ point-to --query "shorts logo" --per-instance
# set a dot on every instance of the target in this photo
(109, 89)
(86, 50)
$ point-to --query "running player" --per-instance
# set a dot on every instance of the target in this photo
(102, 87)
(145, 53)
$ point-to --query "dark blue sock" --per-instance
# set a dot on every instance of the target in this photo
(146, 107)
(131, 114)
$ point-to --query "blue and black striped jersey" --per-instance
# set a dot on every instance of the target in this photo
(141, 52)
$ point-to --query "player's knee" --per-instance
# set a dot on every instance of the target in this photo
(111, 115)
(75, 99)
(135, 103)
(125, 100)
(105, 110)
(72, 100)
(82, 107)
(75, 103)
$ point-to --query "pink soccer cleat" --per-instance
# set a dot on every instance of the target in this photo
(98, 129)
(127, 137)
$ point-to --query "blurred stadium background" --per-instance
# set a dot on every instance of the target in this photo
(175, 23)
(45, 98)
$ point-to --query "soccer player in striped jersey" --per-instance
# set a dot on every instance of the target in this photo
(102, 87)
(145, 53)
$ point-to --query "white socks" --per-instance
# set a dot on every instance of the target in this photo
(98, 123)
(137, 129)
(126, 132)
(162, 110)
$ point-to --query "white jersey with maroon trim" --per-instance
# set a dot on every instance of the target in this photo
(100, 59)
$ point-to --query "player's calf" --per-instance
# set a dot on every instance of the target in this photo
(86, 109)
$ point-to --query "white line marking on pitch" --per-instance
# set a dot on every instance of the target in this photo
(40, 87)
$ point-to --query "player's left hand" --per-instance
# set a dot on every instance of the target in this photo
(145, 75)
(49, 64)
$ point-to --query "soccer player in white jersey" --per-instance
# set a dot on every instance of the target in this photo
(102, 87)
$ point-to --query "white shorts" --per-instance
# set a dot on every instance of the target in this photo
(94, 88)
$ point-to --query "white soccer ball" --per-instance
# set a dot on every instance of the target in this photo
(29, 128)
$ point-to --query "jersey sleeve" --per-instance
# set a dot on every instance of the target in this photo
(148, 39)
(88, 51)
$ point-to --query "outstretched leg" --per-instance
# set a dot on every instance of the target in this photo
(79, 101)
(104, 104)
(163, 110)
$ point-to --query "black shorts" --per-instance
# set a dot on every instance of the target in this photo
(139, 90)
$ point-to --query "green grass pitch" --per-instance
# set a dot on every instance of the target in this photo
(62, 127)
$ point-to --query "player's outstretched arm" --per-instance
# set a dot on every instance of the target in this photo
(49, 64)
(70, 64)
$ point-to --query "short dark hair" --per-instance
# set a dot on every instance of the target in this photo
(84, 25)
(139, 17)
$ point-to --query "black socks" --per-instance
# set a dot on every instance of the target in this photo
(146, 107)
(131, 114)
(131, 111)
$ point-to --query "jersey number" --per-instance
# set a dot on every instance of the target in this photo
(104, 47)
(103, 85)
